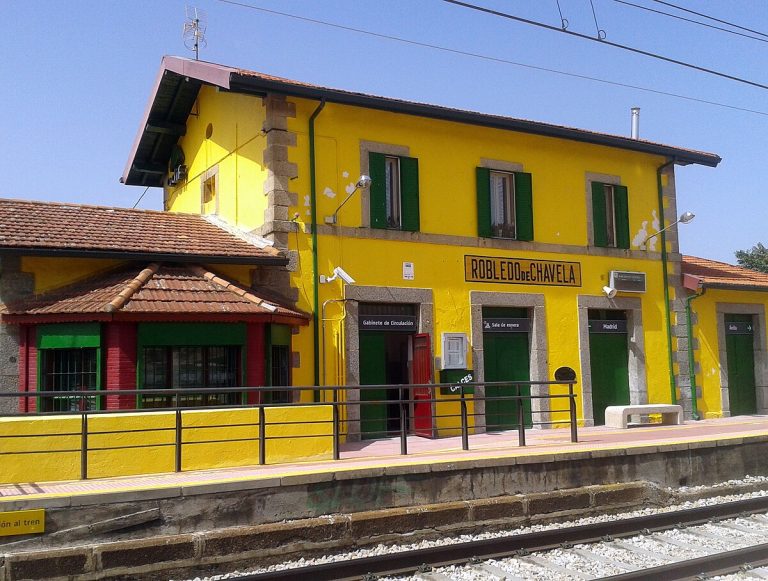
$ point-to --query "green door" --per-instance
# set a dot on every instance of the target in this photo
(609, 364)
(740, 352)
(506, 359)
(373, 371)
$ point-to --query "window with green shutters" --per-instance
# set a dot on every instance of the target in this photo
(504, 204)
(610, 215)
(394, 192)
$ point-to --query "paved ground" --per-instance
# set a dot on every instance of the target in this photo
(383, 453)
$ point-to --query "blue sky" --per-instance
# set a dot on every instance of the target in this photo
(77, 76)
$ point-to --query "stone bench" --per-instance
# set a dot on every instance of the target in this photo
(617, 416)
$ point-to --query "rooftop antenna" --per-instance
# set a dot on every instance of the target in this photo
(194, 30)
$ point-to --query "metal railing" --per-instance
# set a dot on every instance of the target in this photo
(398, 412)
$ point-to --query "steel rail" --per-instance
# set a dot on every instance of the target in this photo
(695, 569)
(408, 562)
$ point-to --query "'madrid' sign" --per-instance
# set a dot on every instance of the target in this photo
(521, 271)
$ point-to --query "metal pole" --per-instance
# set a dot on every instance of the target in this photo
(336, 428)
(464, 422)
(178, 440)
(262, 437)
(403, 429)
(572, 402)
(520, 418)
(84, 446)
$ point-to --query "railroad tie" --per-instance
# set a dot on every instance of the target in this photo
(552, 566)
(591, 556)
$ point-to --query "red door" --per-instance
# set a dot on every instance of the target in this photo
(422, 373)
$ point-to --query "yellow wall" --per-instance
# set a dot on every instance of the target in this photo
(706, 332)
(52, 273)
(236, 146)
(143, 443)
(448, 154)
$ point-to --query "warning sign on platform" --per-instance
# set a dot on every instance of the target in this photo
(22, 522)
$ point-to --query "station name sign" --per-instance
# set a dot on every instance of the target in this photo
(403, 323)
(521, 271)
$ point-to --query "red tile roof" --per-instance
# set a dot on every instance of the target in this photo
(716, 274)
(79, 230)
(137, 292)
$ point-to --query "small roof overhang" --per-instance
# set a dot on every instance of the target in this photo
(154, 292)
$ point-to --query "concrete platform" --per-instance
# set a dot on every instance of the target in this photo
(218, 520)
(375, 458)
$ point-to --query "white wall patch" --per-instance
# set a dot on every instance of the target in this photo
(329, 193)
(644, 232)
(641, 235)
(345, 174)
(350, 188)
(306, 201)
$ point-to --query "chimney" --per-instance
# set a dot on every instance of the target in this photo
(635, 123)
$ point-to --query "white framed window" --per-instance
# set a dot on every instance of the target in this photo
(393, 191)
(454, 351)
(503, 218)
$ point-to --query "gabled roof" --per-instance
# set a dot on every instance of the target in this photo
(55, 229)
(154, 292)
(180, 79)
(713, 274)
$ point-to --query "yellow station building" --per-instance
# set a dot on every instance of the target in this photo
(481, 246)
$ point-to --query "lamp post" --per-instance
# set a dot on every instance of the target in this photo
(684, 218)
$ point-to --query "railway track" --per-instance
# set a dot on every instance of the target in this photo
(686, 544)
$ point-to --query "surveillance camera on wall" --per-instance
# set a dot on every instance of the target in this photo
(610, 292)
(341, 273)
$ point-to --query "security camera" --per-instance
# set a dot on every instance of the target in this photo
(609, 291)
(341, 273)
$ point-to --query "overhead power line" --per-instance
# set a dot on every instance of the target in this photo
(607, 42)
(709, 17)
(691, 20)
(490, 58)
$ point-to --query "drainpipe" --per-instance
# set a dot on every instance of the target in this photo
(662, 235)
(691, 361)
(315, 280)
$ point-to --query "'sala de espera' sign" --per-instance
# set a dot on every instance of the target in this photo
(521, 271)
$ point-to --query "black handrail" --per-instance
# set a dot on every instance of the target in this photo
(341, 424)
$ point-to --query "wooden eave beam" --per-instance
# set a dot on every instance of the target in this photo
(166, 128)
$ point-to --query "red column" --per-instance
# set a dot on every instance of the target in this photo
(255, 358)
(27, 366)
(120, 355)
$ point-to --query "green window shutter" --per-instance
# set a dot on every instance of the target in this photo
(599, 226)
(523, 206)
(484, 202)
(409, 193)
(378, 190)
(621, 205)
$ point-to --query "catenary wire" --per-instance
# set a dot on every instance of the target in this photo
(141, 196)
(492, 58)
(563, 21)
(692, 21)
(709, 17)
(600, 31)
(607, 43)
